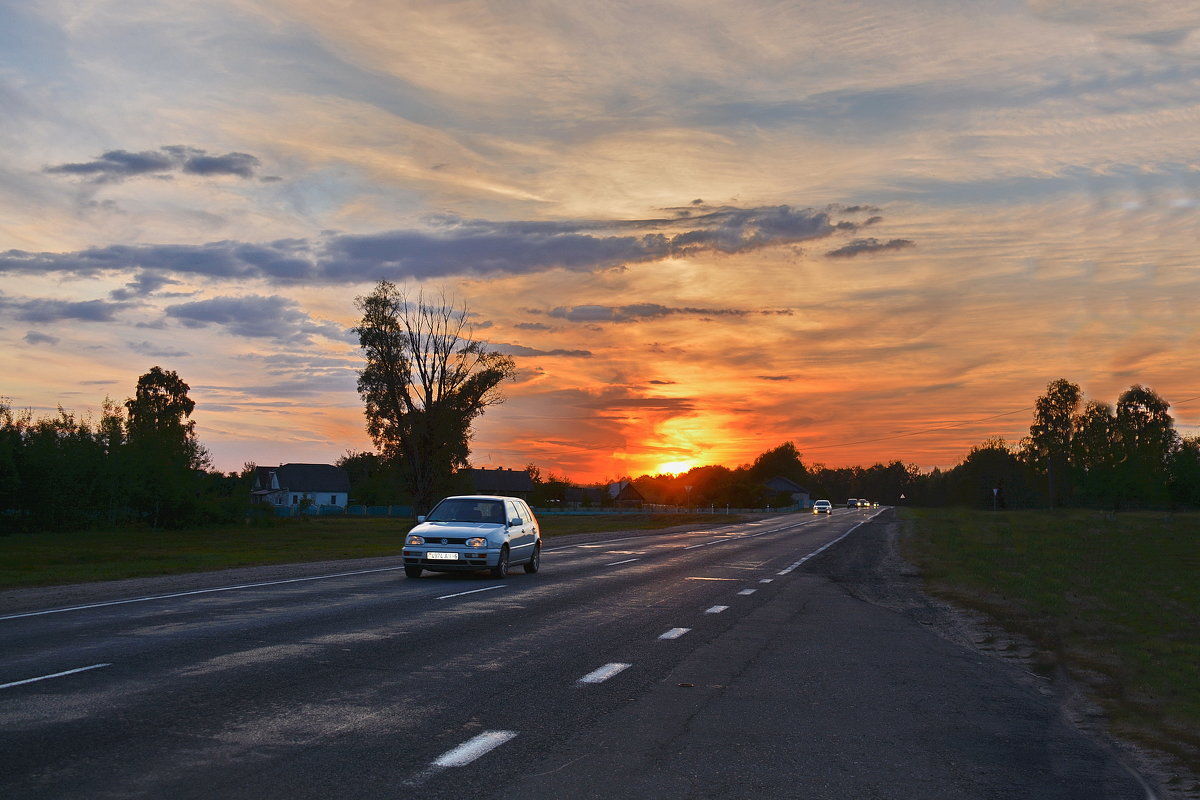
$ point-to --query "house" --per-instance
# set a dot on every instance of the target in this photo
(800, 496)
(292, 484)
(506, 482)
(625, 495)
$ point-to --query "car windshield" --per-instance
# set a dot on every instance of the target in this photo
(467, 510)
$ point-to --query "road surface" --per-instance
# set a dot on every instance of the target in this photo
(775, 658)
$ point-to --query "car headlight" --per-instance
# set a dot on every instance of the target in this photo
(478, 541)
(414, 539)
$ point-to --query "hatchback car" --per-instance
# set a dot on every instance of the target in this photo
(472, 533)
(822, 507)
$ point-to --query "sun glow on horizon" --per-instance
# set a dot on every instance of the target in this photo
(675, 467)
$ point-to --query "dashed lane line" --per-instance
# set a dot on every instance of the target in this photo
(604, 673)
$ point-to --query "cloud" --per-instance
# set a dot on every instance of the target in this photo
(642, 311)
(255, 316)
(155, 351)
(143, 285)
(521, 350)
(34, 337)
(451, 246)
(47, 310)
(868, 246)
(118, 165)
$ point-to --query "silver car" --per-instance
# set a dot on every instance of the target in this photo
(474, 532)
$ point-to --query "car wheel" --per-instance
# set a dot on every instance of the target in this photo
(501, 568)
(535, 561)
(412, 572)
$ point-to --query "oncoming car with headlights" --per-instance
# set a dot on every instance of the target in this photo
(474, 532)
(822, 507)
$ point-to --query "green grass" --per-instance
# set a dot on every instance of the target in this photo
(1113, 599)
(52, 559)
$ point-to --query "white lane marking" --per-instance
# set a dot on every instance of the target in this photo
(695, 578)
(740, 536)
(618, 563)
(716, 609)
(674, 633)
(765, 580)
(746, 592)
(825, 546)
(470, 750)
(473, 591)
(198, 591)
(604, 673)
(55, 675)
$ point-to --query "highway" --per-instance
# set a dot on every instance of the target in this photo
(770, 658)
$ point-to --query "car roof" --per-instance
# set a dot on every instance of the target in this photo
(479, 497)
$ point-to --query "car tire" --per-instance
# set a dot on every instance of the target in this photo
(501, 568)
(535, 561)
(412, 572)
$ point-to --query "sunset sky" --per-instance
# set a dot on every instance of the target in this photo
(877, 229)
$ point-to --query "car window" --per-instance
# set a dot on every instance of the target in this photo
(467, 510)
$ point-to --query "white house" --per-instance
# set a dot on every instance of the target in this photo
(292, 484)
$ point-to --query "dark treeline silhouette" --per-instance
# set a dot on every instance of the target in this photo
(139, 463)
(1078, 453)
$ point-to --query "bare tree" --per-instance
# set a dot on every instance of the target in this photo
(425, 382)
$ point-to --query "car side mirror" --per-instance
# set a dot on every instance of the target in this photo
(515, 523)
(420, 518)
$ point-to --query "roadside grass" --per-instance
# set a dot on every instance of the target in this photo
(54, 559)
(1113, 599)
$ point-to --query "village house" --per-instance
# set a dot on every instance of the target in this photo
(292, 484)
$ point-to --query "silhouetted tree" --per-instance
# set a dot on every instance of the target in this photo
(425, 382)
(162, 456)
(1049, 444)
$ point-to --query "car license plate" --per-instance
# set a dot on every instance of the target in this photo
(442, 556)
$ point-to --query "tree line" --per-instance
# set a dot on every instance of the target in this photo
(1080, 452)
(139, 463)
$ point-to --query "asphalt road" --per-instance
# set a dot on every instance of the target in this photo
(771, 659)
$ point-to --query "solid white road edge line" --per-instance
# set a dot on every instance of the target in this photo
(604, 673)
(825, 546)
(198, 591)
(472, 749)
(55, 675)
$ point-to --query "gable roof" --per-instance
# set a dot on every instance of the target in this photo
(782, 484)
(304, 478)
(500, 481)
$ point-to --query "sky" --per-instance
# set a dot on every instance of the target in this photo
(876, 229)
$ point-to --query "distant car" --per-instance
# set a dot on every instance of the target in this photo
(822, 507)
(864, 502)
(474, 532)
(852, 503)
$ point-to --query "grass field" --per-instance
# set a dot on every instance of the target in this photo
(51, 559)
(1113, 599)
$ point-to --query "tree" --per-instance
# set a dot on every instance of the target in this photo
(1094, 453)
(162, 454)
(1049, 442)
(1147, 442)
(425, 382)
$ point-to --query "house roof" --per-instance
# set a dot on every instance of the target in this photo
(782, 484)
(304, 478)
(501, 481)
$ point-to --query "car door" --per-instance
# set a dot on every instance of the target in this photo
(520, 537)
